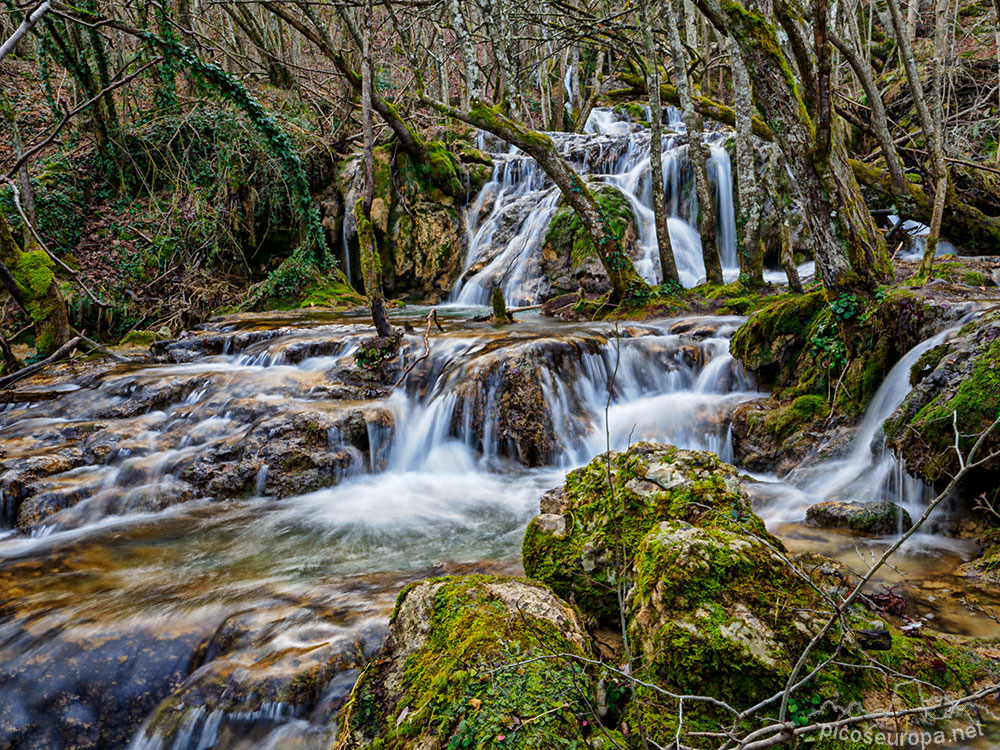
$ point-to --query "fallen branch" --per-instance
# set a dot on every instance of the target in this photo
(61, 353)
(431, 317)
(34, 17)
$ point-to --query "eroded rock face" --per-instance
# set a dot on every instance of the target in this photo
(446, 676)
(878, 518)
(506, 395)
(960, 378)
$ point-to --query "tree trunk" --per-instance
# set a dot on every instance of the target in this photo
(942, 178)
(371, 266)
(850, 251)
(880, 122)
(35, 289)
(672, 12)
(595, 92)
(750, 250)
(668, 266)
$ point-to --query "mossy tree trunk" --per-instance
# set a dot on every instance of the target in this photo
(850, 251)
(371, 266)
(749, 248)
(30, 278)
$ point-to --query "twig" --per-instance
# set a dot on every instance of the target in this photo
(431, 316)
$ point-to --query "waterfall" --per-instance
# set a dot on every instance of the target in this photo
(509, 217)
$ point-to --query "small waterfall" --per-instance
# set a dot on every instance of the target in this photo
(508, 220)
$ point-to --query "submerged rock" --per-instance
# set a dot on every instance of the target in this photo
(261, 669)
(476, 661)
(878, 518)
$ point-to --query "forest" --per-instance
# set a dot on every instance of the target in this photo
(424, 374)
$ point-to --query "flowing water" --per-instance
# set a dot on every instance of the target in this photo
(199, 553)
(508, 220)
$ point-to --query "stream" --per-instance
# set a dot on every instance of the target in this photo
(200, 552)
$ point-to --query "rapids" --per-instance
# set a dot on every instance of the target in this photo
(134, 585)
(199, 552)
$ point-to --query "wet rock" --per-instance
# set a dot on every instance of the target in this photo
(446, 677)
(21, 476)
(569, 261)
(263, 668)
(652, 483)
(506, 395)
(957, 387)
(293, 452)
(90, 685)
(878, 518)
(984, 569)
(778, 435)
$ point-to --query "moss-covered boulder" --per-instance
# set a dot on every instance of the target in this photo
(590, 527)
(841, 349)
(777, 435)
(713, 606)
(958, 387)
(473, 662)
(878, 518)
(569, 260)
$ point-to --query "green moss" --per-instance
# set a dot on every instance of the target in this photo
(974, 278)
(144, 337)
(973, 406)
(567, 236)
(927, 362)
(477, 680)
(608, 515)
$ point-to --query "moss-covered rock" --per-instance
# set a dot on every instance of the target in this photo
(841, 349)
(467, 664)
(868, 518)
(590, 527)
(770, 343)
(773, 434)
(958, 387)
(666, 540)
(418, 226)
(569, 260)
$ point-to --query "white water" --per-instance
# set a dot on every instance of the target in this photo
(508, 220)
(868, 473)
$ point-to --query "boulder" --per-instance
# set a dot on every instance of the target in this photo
(878, 518)
(581, 556)
(664, 541)
(569, 260)
(475, 662)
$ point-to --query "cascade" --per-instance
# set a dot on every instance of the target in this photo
(447, 469)
(509, 217)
